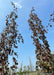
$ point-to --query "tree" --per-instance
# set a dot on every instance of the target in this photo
(28, 69)
(20, 70)
(50, 21)
(8, 40)
(25, 69)
(31, 65)
(43, 52)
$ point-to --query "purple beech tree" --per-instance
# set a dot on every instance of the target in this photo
(43, 52)
(8, 40)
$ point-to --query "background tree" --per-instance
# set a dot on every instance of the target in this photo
(20, 70)
(8, 40)
(31, 65)
(43, 52)
(28, 69)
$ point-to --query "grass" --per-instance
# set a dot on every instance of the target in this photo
(35, 74)
(31, 74)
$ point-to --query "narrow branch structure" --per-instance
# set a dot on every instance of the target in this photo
(8, 40)
(43, 52)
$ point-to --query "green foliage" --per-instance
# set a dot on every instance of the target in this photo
(31, 67)
(20, 70)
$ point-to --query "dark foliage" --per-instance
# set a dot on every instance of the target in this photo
(8, 40)
(43, 52)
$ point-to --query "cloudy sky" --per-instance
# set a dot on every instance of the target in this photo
(43, 9)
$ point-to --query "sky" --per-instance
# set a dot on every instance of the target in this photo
(43, 9)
